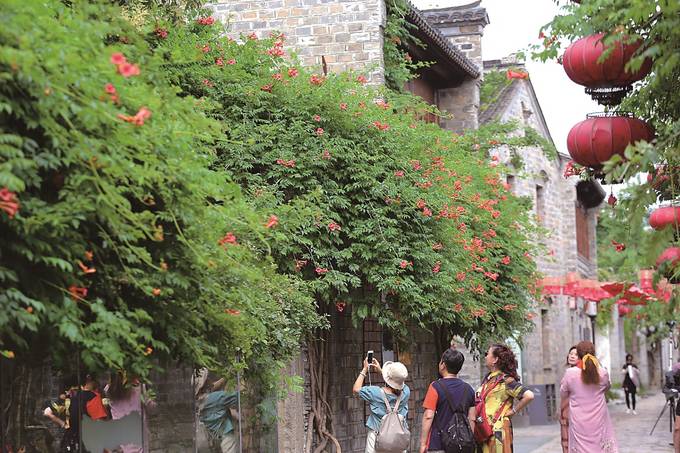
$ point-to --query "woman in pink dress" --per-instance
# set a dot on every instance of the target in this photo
(584, 386)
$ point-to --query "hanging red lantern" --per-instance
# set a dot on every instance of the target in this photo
(606, 81)
(671, 254)
(662, 217)
(596, 139)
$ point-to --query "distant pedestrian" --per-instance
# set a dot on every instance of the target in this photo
(495, 400)
(572, 361)
(395, 390)
(631, 381)
(443, 397)
(584, 386)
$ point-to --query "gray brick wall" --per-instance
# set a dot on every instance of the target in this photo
(347, 33)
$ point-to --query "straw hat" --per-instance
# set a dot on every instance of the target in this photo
(394, 374)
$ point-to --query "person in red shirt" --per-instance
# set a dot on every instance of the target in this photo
(438, 412)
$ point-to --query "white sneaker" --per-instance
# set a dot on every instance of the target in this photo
(627, 411)
(634, 413)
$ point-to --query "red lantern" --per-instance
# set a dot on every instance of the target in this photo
(623, 309)
(662, 217)
(606, 81)
(671, 254)
(596, 139)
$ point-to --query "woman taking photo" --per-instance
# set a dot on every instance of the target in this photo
(584, 386)
(394, 374)
(572, 361)
(499, 389)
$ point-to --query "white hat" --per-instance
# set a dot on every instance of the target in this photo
(394, 374)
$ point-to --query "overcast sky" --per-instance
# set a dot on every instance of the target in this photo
(514, 25)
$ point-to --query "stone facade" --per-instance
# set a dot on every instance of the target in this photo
(560, 321)
(346, 33)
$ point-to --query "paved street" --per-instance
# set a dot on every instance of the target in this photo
(632, 432)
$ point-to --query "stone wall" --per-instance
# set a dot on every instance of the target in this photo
(347, 33)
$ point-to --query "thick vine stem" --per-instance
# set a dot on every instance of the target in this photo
(320, 419)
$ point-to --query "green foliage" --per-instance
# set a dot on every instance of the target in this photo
(399, 67)
(375, 209)
(114, 250)
(493, 85)
(642, 246)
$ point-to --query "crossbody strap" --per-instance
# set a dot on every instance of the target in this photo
(444, 388)
(497, 415)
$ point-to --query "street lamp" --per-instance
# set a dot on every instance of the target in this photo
(591, 311)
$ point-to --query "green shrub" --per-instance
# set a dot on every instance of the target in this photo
(115, 249)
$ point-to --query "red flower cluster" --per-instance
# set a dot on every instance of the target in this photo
(399, 174)
(460, 276)
(9, 202)
(437, 267)
(380, 126)
(292, 73)
(277, 76)
(219, 62)
(334, 227)
(382, 104)
(77, 292)
(286, 163)
(415, 164)
(205, 48)
(343, 106)
(316, 80)
(326, 155)
(505, 260)
(478, 313)
(272, 222)
(570, 170)
(161, 32)
(619, 246)
(111, 90)
(320, 270)
(277, 49)
(207, 83)
(404, 264)
(205, 20)
(437, 246)
(267, 88)
(232, 311)
(340, 306)
(125, 68)
(509, 307)
(361, 79)
(138, 119)
(319, 131)
(228, 238)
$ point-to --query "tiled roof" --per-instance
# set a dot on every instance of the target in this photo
(416, 17)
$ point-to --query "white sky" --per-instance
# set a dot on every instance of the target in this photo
(513, 25)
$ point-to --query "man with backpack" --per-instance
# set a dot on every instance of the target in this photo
(449, 406)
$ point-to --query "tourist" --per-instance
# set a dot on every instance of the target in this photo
(218, 414)
(572, 361)
(125, 398)
(584, 386)
(499, 389)
(437, 404)
(631, 381)
(394, 374)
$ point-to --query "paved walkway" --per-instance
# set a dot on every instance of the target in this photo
(632, 431)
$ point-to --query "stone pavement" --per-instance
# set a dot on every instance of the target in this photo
(632, 431)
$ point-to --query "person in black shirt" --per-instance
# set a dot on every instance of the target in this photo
(438, 412)
(631, 381)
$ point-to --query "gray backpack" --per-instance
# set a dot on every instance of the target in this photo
(393, 435)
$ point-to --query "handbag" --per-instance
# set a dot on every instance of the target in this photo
(484, 429)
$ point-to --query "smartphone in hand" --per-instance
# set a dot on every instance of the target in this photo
(369, 358)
